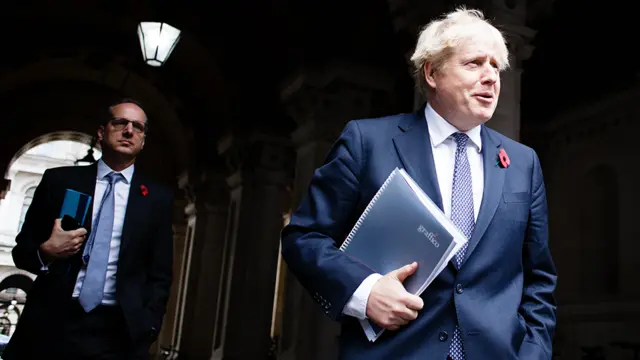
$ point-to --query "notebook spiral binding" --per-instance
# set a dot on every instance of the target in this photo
(353, 231)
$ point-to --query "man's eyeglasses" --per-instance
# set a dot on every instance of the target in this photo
(119, 124)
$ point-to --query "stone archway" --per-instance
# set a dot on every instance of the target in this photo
(55, 136)
(14, 285)
(16, 279)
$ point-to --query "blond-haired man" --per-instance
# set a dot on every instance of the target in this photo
(495, 299)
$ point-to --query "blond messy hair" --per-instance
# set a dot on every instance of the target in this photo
(439, 39)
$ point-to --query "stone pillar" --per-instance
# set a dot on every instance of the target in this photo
(164, 346)
(259, 196)
(322, 101)
(183, 251)
(510, 16)
(211, 204)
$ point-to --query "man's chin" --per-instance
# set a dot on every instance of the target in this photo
(483, 116)
(125, 151)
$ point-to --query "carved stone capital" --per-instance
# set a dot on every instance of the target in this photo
(519, 39)
(186, 184)
(260, 156)
(213, 192)
(335, 93)
(204, 190)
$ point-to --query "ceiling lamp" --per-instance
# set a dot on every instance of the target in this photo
(89, 158)
(157, 41)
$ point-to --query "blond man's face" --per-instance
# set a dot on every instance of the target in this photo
(467, 86)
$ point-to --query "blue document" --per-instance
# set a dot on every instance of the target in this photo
(75, 205)
(401, 225)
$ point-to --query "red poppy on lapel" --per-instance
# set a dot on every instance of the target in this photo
(143, 190)
(503, 159)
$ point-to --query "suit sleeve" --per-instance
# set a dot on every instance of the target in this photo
(160, 272)
(538, 305)
(36, 229)
(325, 216)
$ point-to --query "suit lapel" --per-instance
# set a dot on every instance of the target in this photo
(132, 213)
(414, 150)
(492, 193)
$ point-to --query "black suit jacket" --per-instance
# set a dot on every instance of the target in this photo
(144, 267)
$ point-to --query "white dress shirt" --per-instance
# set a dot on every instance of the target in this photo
(121, 196)
(443, 147)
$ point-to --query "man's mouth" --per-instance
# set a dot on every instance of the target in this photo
(484, 96)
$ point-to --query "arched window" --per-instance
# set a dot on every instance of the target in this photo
(599, 233)
(28, 196)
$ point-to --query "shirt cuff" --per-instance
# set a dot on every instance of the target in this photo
(43, 267)
(357, 305)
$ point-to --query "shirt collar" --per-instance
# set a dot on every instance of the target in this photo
(440, 129)
(104, 170)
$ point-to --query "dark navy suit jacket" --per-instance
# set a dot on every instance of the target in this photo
(502, 295)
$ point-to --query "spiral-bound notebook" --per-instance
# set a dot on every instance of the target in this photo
(401, 225)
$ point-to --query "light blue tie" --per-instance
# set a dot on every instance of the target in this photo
(463, 217)
(96, 252)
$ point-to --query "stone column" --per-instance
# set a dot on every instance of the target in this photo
(165, 344)
(322, 101)
(259, 196)
(510, 16)
(183, 253)
(211, 204)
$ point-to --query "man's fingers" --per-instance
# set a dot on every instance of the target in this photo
(78, 232)
(404, 272)
(409, 315)
(401, 315)
(414, 302)
(57, 225)
(77, 241)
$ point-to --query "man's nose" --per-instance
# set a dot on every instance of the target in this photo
(128, 129)
(490, 74)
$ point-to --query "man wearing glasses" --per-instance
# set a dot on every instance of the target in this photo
(102, 289)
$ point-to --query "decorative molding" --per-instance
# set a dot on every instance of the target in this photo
(206, 190)
(519, 38)
(336, 92)
(594, 122)
(263, 157)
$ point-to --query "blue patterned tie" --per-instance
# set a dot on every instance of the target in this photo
(96, 251)
(462, 216)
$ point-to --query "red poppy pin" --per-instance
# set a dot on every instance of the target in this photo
(143, 190)
(503, 159)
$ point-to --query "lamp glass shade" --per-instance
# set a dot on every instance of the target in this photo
(157, 41)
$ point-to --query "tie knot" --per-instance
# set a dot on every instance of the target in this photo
(461, 139)
(113, 177)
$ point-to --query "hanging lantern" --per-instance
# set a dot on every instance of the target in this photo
(157, 41)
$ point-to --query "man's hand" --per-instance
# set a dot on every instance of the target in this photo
(62, 244)
(389, 304)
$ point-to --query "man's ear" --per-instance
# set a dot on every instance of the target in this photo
(429, 74)
(100, 132)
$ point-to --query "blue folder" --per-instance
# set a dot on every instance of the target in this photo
(402, 225)
(76, 205)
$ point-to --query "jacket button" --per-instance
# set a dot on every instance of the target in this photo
(459, 289)
(443, 336)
